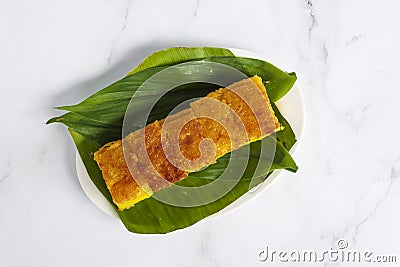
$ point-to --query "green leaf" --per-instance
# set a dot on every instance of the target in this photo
(279, 88)
(86, 149)
(277, 82)
(98, 120)
(108, 105)
(175, 55)
(152, 216)
(101, 132)
(286, 136)
(282, 160)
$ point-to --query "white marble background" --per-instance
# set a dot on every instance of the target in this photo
(346, 55)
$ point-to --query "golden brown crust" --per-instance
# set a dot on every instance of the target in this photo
(218, 134)
(116, 174)
(252, 107)
(182, 135)
(157, 171)
(227, 110)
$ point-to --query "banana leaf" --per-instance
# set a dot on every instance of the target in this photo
(175, 55)
(152, 216)
(117, 95)
(98, 120)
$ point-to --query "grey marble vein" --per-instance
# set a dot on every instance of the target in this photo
(205, 246)
(325, 52)
(6, 173)
(356, 38)
(333, 246)
(312, 17)
(42, 156)
(394, 174)
(196, 11)
(3, 177)
(358, 115)
(204, 242)
(120, 32)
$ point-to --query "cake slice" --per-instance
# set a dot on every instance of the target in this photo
(165, 151)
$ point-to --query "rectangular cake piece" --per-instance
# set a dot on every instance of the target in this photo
(165, 151)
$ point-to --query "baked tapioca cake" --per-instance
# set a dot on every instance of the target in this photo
(166, 151)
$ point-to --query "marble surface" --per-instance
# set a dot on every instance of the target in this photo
(346, 56)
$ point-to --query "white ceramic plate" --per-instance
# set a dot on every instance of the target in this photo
(291, 106)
